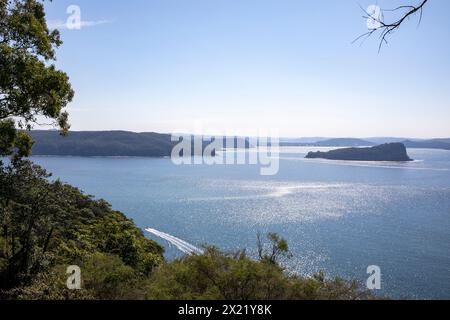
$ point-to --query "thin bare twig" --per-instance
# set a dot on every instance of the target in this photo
(387, 29)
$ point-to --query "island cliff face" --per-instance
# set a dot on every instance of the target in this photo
(385, 152)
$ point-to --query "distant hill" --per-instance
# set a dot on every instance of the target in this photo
(344, 142)
(385, 152)
(353, 142)
(232, 142)
(429, 144)
(383, 140)
(111, 144)
(326, 142)
(102, 143)
(301, 141)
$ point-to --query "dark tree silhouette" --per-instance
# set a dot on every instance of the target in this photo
(385, 29)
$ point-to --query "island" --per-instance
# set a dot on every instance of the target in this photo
(384, 152)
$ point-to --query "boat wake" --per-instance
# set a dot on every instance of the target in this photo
(178, 243)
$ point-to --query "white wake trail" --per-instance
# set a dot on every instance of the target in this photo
(180, 244)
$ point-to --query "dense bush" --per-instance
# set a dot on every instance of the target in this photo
(47, 226)
(220, 276)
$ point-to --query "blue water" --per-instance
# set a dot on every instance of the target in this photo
(339, 217)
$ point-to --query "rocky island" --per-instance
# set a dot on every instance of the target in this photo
(384, 152)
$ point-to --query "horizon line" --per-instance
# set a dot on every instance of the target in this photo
(258, 136)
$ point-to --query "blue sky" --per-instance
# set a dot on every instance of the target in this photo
(245, 65)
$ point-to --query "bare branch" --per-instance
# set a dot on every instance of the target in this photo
(386, 29)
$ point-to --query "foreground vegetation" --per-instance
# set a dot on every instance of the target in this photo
(47, 226)
(220, 276)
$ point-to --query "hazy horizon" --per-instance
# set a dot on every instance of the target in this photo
(311, 137)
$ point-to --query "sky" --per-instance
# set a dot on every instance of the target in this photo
(246, 66)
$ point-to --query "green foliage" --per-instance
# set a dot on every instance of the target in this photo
(104, 277)
(221, 276)
(7, 136)
(30, 86)
(108, 277)
(49, 224)
(278, 248)
(119, 236)
(50, 285)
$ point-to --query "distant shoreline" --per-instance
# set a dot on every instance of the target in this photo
(168, 157)
(155, 145)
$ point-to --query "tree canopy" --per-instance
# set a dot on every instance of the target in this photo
(31, 87)
(47, 226)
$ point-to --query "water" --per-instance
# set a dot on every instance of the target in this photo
(339, 217)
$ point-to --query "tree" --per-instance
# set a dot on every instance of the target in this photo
(45, 225)
(386, 29)
(278, 247)
(217, 275)
(24, 214)
(30, 85)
